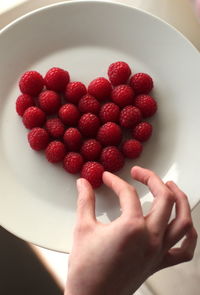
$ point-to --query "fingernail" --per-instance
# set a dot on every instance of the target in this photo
(106, 172)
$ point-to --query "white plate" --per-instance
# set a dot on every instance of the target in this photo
(37, 199)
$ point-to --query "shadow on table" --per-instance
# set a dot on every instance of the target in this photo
(21, 272)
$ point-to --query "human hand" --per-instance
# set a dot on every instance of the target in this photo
(116, 258)
(197, 6)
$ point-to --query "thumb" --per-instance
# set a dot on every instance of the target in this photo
(86, 200)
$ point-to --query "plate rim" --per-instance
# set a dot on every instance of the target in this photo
(83, 2)
(109, 2)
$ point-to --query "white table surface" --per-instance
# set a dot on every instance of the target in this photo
(179, 13)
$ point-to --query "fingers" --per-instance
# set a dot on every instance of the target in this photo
(184, 253)
(149, 178)
(129, 200)
(183, 221)
(86, 201)
(161, 209)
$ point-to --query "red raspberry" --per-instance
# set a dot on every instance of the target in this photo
(23, 102)
(89, 125)
(38, 138)
(141, 83)
(74, 91)
(69, 114)
(146, 104)
(73, 162)
(130, 116)
(112, 159)
(91, 149)
(72, 139)
(118, 73)
(56, 79)
(122, 95)
(142, 131)
(132, 148)
(31, 83)
(49, 101)
(55, 127)
(93, 171)
(109, 134)
(33, 117)
(100, 88)
(109, 112)
(55, 151)
(89, 104)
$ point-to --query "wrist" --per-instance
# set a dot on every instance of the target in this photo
(79, 291)
(74, 287)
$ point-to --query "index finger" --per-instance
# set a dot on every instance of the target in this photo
(128, 197)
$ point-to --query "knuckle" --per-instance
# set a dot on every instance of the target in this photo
(82, 228)
(82, 201)
(154, 244)
(168, 195)
(194, 234)
(153, 175)
(131, 189)
(183, 196)
(188, 256)
(128, 188)
(133, 227)
(186, 224)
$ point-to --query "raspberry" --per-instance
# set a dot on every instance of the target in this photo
(55, 151)
(100, 88)
(93, 171)
(109, 112)
(56, 79)
(122, 95)
(69, 114)
(91, 149)
(146, 104)
(74, 91)
(109, 134)
(33, 117)
(55, 127)
(31, 83)
(141, 83)
(118, 73)
(38, 139)
(112, 159)
(130, 116)
(49, 101)
(142, 131)
(132, 148)
(89, 125)
(73, 139)
(23, 102)
(89, 104)
(73, 162)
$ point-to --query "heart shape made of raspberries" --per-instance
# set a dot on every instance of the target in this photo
(84, 127)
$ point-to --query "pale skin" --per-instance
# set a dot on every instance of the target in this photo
(118, 257)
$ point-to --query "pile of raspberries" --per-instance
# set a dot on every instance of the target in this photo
(84, 127)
